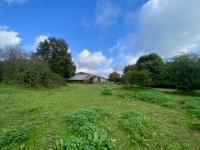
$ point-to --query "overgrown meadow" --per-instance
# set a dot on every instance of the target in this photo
(98, 117)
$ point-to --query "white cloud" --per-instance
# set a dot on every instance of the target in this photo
(15, 1)
(165, 27)
(94, 62)
(124, 44)
(106, 14)
(8, 37)
(38, 39)
(168, 26)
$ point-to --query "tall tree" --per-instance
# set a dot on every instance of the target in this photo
(129, 67)
(184, 72)
(115, 77)
(152, 63)
(56, 53)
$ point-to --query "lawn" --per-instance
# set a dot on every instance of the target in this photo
(98, 116)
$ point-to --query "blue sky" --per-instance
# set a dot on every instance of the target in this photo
(104, 35)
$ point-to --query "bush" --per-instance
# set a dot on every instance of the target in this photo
(21, 70)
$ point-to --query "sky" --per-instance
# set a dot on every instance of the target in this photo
(104, 35)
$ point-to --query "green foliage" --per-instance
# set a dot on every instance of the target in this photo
(127, 78)
(169, 104)
(13, 136)
(106, 92)
(183, 72)
(196, 125)
(142, 77)
(193, 108)
(135, 126)
(86, 134)
(151, 95)
(129, 68)
(114, 77)
(81, 117)
(20, 70)
(121, 95)
(56, 53)
(153, 63)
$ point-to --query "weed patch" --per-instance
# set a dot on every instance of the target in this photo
(192, 105)
(151, 95)
(196, 125)
(169, 104)
(30, 110)
(106, 92)
(86, 134)
(136, 126)
(13, 136)
(120, 96)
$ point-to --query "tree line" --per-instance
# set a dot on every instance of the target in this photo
(181, 72)
(48, 67)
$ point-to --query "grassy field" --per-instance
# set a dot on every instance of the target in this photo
(98, 116)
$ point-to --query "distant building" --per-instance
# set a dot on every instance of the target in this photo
(91, 78)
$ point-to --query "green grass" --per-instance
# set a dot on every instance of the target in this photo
(48, 118)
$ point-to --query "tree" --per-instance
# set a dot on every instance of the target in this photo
(184, 72)
(142, 77)
(152, 63)
(19, 69)
(115, 77)
(129, 67)
(127, 78)
(56, 53)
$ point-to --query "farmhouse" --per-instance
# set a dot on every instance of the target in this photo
(91, 78)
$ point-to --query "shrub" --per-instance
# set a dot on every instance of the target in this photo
(20, 69)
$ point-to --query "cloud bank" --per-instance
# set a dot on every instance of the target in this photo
(8, 37)
(38, 39)
(167, 27)
(94, 62)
